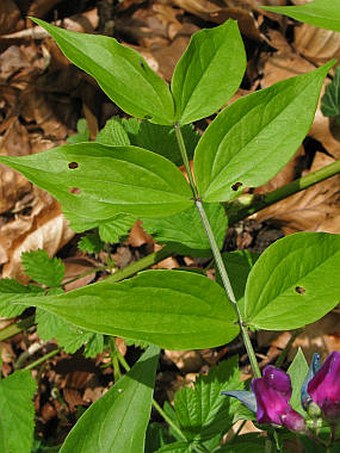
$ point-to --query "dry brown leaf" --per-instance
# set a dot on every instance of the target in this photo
(76, 266)
(10, 17)
(40, 7)
(317, 44)
(44, 228)
(186, 361)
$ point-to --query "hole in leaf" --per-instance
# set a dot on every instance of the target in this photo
(73, 165)
(236, 186)
(300, 289)
(75, 190)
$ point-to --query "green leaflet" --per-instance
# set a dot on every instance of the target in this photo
(117, 421)
(250, 141)
(330, 103)
(172, 309)
(43, 269)
(95, 182)
(298, 371)
(17, 412)
(209, 72)
(294, 282)
(122, 73)
(320, 13)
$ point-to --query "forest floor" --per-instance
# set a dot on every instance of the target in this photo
(42, 98)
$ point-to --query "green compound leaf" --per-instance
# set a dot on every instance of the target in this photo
(184, 231)
(117, 422)
(68, 336)
(94, 182)
(43, 269)
(320, 13)
(294, 282)
(17, 412)
(209, 72)
(122, 73)
(173, 309)
(250, 141)
(203, 412)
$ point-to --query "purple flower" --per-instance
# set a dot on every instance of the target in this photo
(324, 388)
(273, 392)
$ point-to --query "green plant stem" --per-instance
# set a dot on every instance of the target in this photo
(287, 348)
(184, 154)
(158, 408)
(247, 204)
(42, 359)
(217, 255)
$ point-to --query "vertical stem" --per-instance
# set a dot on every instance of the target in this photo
(217, 254)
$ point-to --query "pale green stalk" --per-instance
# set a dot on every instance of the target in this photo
(217, 254)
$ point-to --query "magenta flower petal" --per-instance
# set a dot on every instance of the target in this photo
(273, 392)
(324, 387)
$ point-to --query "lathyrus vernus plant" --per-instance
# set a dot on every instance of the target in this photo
(105, 186)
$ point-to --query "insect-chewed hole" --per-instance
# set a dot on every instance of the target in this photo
(300, 289)
(74, 190)
(236, 186)
(73, 165)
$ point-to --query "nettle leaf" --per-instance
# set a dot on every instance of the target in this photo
(43, 269)
(17, 412)
(293, 282)
(68, 336)
(298, 371)
(320, 13)
(173, 309)
(11, 290)
(250, 141)
(121, 72)
(330, 103)
(185, 232)
(209, 72)
(203, 412)
(94, 182)
(118, 420)
(119, 227)
(113, 133)
(91, 243)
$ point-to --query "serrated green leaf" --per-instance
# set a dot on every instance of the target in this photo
(68, 336)
(185, 232)
(43, 269)
(330, 103)
(121, 72)
(209, 72)
(94, 182)
(250, 141)
(203, 412)
(113, 133)
(173, 309)
(117, 421)
(11, 290)
(83, 132)
(90, 243)
(118, 228)
(17, 412)
(320, 13)
(293, 283)
(298, 371)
